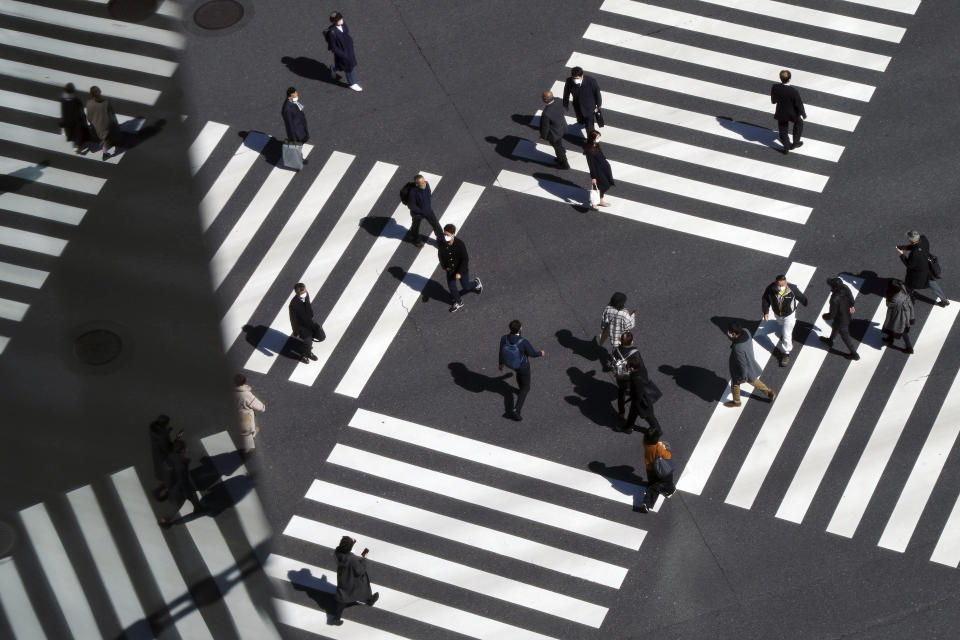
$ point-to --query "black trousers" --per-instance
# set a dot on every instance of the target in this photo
(589, 120)
(907, 343)
(177, 502)
(844, 332)
(560, 151)
(638, 411)
(523, 387)
(431, 219)
(622, 389)
(656, 486)
(306, 337)
(797, 131)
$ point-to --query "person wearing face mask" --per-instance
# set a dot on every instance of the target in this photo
(294, 119)
(421, 209)
(586, 98)
(302, 324)
(553, 126)
(743, 366)
(456, 262)
(340, 42)
(783, 298)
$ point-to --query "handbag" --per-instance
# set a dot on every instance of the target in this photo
(663, 467)
(292, 156)
(599, 118)
(651, 392)
(594, 197)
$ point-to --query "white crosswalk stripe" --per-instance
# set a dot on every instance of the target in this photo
(16, 603)
(307, 619)
(204, 144)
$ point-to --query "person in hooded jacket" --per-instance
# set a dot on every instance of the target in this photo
(743, 366)
(900, 315)
(73, 120)
(247, 404)
(841, 308)
(353, 583)
(340, 42)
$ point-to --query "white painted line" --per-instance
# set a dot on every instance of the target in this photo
(41, 174)
(283, 247)
(903, 6)
(756, 100)
(404, 298)
(23, 276)
(4, 341)
(181, 607)
(249, 222)
(59, 572)
(724, 62)
(16, 603)
(715, 435)
(783, 412)
(12, 310)
(99, 26)
(99, 538)
(856, 497)
(232, 175)
(95, 55)
(655, 216)
(402, 604)
(246, 503)
(819, 19)
(749, 35)
(30, 104)
(39, 208)
(204, 144)
(30, 241)
(925, 473)
(324, 261)
(374, 264)
(496, 456)
(947, 550)
(826, 440)
(169, 8)
(47, 141)
(482, 495)
(670, 183)
(314, 621)
(111, 89)
(458, 575)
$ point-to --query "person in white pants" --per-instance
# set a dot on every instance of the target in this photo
(783, 299)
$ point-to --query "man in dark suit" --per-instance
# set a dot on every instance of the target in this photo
(789, 109)
(301, 322)
(553, 125)
(586, 98)
(293, 118)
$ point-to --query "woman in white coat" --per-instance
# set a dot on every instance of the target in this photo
(247, 404)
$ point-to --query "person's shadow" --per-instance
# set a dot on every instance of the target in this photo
(594, 397)
(587, 349)
(383, 226)
(624, 479)
(751, 132)
(703, 383)
(318, 589)
(475, 382)
(430, 289)
(310, 69)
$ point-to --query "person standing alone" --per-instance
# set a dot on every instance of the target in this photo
(294, 120)
(247, 404)
(102, 119)
(783, 298)
(340, 42)
(302, 324)
(789, 109)
(515, 353)
(455, 261)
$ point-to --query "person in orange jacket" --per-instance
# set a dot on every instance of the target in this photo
(657, 483)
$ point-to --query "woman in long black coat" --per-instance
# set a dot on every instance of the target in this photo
(601, 175)
(73, 120)
(340, 42)
(353, 583)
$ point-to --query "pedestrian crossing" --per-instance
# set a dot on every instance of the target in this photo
(860, 455)
(43, 49)
(93, 563)
(689, 130)
(427, 493)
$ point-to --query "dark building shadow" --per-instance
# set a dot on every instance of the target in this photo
(751, 132)
(701, 382)
(430, 289)
(475, 382)
(310, 69)
(624, 479)
(595, 397)
(587, 349)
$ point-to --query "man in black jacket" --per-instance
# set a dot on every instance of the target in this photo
(916, 258)
(641, 402)
(302, 324)
(293, 119)
(841, 308)
(586, 98)
(421, 209)
(456, 262)
(553, 126)
(783, 298)
(789, 109)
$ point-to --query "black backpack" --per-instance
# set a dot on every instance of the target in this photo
(405, 193)
(511, 355)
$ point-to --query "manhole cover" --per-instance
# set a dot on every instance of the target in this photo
(97, 347)
(132, 10)
(218, 14)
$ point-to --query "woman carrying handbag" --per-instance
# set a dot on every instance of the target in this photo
(601, 176)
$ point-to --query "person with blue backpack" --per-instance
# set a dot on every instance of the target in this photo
(515, 353)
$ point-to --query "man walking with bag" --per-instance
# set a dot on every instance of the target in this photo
(295, 122)
(923, 269)
(783, 298)
(515, 353)
(302, 324)
(586, 98)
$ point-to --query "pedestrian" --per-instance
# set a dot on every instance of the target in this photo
(340, 42)
(643, 393)
(789, 109)
(455, 261)
(353, 582)
(73, 120)
(920, 267)
(553, 126)
(614, 320)
(586, 98)
(743, 366)
(900, 315)
(601, 175)
(179, 484)
(302, 324)
(421, 208)
(102, 119)
(247, 404)
(515, 353)
(841, 308)
(294, 120)
(659, 463)
(784, 298)
(621, 370)
(161, 445)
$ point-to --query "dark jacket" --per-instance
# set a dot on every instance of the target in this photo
(73, 120)
(787, 305)
(840, 302)
(453, 257)
(178, 482)
(295, 122)
(586, 96)
(353, 583)
(420, 201)
(917, 260)
(789, 105)
(599, 168)
(553, 124)
(639, 383)
(527, 350)
(743, 366)
(301, 315)
(160, 447)
(341, 44)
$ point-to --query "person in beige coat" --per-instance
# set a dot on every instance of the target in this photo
(247, 404)
(102, 118)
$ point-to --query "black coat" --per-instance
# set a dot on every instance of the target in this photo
(917, 260)
(178, 481)
(73, 120)
(453, 257)
(160, 447)
(341, 44)
(586, 96)
(599, 169)
(840, 302)
(353, 583)
(301, 316)
(553, 123)
(295, 122)
(420, 201)
(789, 105)
(639, 383)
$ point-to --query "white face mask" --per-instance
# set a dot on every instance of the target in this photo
(295, 99)
(340, 22)
(447, 237)
(303, 296)
(577, 81)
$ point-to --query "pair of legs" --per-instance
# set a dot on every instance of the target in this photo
(656, 486)
(646, 413)
(561, 152)
(338, 607)
(587, 121)
(937, 290)
(622, 389)
(174, 513)
(757, 384)
(414, 233)
(890, 336)
(844, 332)
(784, 126)
(307, 337)
(523, 388)
(786, 335)
(454, 284)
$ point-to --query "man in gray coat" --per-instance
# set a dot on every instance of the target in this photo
(102, 118)
(553, 126)
(743, 366)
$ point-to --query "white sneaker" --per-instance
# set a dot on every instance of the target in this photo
(356, 87)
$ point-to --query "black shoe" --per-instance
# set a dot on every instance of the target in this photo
(784, 151)
(826, 317)
(513, 415)
(853, 356)
(796, 145)
(337, 622)
(944, 303)
(312, 357)
(785, 360)
(106, 156)
(304, 359)
(827, 341)
(419, 244)
(909, 351)
(642, 509)
(372, 600)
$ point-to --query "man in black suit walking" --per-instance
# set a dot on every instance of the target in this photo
(586, 98)
(789, 109)
(301, 322)
(553, 125)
